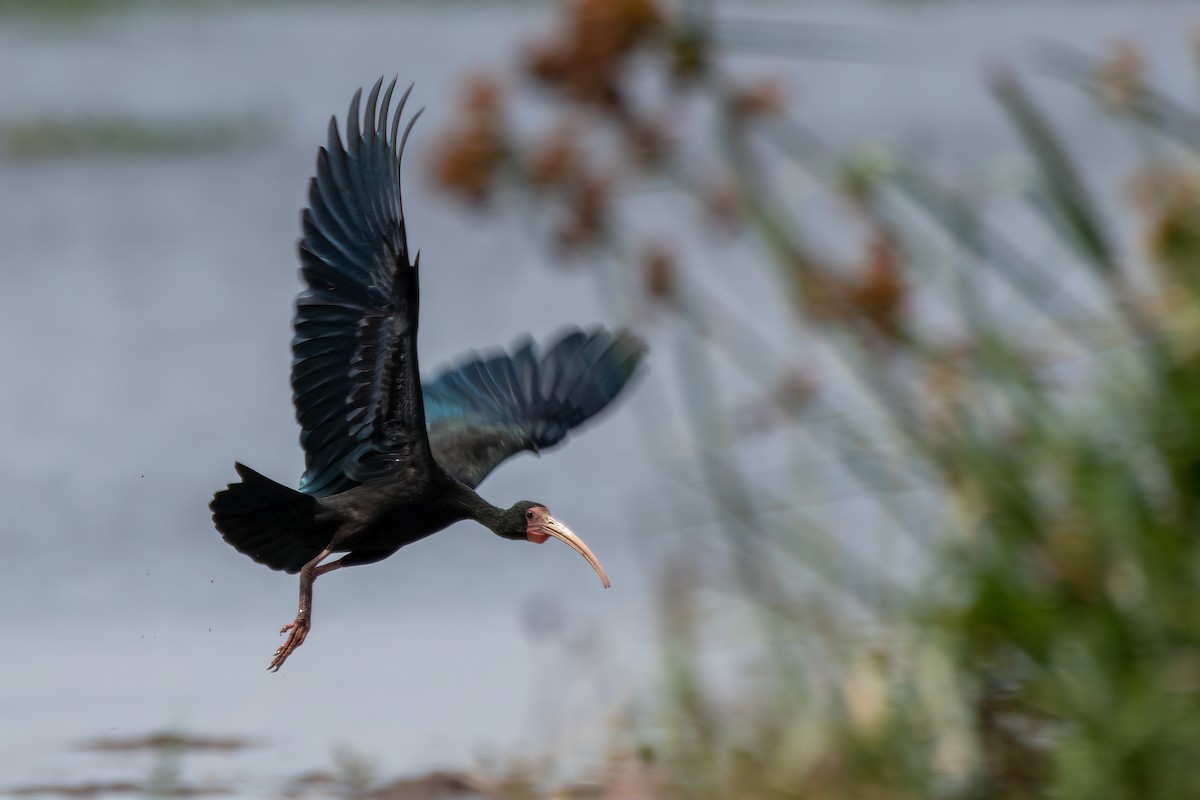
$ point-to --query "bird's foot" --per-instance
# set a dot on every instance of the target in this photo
(297, 632)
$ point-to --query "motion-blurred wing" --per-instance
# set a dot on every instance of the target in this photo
(495, 406)
(354, 357)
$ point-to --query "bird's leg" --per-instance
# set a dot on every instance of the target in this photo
(298, 629)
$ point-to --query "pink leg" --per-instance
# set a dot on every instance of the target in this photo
(303, 623)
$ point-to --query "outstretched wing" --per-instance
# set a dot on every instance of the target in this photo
(354, 356)
(494, 406)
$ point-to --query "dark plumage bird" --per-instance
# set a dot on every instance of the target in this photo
(389, 462)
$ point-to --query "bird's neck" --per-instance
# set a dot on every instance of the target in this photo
(480, 510)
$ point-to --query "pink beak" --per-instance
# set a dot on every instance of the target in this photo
(548, 526)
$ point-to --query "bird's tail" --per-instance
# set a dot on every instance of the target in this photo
(269, 522)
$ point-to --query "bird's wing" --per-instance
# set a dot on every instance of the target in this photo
(493, 406)
(354, 356)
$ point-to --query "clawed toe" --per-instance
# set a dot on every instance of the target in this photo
(298, 632)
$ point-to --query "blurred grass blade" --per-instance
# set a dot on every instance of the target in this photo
(955, 216)
(959, 219)
(1146, 105)
(1064, 189)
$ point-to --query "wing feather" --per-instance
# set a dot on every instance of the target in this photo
(354, 359)
(490, 408)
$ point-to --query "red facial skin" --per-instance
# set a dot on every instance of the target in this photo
(535, 517)
(540, 526)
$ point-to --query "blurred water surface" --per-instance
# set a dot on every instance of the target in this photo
(143, 342)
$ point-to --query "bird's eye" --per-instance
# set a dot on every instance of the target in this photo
(529, 514)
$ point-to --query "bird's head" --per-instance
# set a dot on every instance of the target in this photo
(532, 522)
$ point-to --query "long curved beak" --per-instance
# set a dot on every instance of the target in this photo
(552, 527)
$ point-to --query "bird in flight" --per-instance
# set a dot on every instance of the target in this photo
(387, 460)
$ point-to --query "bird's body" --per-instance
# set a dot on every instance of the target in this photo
(387, 463)
(380, 517)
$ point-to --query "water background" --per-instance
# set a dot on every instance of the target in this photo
(144, 329)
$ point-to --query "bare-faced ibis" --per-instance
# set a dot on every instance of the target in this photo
(387, 461)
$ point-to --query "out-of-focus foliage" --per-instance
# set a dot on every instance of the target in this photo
(1050, 644)
(129, 136)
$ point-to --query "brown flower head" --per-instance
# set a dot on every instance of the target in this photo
(587, 206)
(1168, 196)
(558, 161)
(878, 297)
(584, 59)
(470, 154)
(764, 97)
(659, 271)
(1120, 79)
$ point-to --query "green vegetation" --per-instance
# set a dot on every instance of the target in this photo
(128, 136)
(1043, 639)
